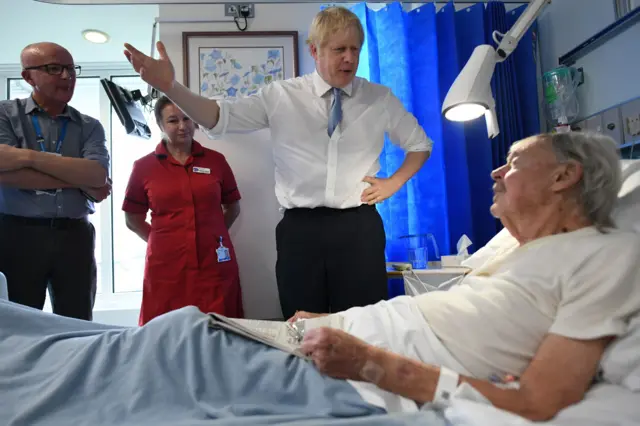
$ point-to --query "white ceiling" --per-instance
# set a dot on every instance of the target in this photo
(36, 21)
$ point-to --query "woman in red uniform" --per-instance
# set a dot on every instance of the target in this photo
(193, 198)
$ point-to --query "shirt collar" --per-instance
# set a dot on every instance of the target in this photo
(31, 105)
(161, 152)
(322, 87)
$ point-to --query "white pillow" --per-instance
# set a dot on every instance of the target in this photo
(477, 259)
(621, 362)
(627, 211)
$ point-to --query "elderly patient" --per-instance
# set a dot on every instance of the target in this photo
(543, 310)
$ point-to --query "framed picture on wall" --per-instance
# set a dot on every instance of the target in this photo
(228, 64)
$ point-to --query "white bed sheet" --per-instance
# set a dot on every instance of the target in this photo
(604, 405)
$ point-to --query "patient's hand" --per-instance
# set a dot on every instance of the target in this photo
(336, 353)
(304, 315)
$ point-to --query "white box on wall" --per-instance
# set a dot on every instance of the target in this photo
(630, 113)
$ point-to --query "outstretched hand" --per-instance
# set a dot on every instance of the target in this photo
(159, 73)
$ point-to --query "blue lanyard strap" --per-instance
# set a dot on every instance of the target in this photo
(40, 138)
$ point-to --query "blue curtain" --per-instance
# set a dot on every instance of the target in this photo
(418, 54)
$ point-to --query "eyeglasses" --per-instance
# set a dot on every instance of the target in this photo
(58, 69)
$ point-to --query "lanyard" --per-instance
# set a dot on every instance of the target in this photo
(40, 138)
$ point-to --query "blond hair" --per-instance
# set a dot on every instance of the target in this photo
(330, 21)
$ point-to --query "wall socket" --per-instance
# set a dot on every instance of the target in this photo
(234, 9)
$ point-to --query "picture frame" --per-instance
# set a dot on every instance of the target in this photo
(220, 65)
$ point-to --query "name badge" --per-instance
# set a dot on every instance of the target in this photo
(203, 170)
(223, 253)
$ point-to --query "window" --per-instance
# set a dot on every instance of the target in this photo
(120, 254)
(129, 249)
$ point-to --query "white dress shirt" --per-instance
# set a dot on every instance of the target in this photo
(312, 169)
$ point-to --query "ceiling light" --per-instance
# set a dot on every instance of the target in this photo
(95, 36)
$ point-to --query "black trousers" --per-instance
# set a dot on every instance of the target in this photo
(58, 254)
(330, 260)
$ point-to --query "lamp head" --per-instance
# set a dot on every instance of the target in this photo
(470, 94)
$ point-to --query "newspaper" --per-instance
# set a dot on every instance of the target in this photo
(278, 334)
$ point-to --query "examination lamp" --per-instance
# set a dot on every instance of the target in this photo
(470, 94)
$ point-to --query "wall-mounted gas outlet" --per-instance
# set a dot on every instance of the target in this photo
(239, 10)
(633, 125)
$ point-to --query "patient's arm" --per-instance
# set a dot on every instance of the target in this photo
(559, 375)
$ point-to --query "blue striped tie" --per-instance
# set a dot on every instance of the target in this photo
(335, 114)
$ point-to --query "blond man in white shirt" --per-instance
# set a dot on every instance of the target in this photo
(328, 131)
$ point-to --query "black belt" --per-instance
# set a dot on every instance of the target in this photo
(57, 222)
(328, 210)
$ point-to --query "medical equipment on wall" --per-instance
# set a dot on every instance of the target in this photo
(470, 94)
(560, 100)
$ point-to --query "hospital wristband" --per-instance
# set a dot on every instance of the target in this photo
(447, 385)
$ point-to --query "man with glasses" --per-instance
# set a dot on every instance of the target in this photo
(53, 167)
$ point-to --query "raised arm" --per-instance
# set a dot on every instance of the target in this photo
(244, 114)
(160, 74)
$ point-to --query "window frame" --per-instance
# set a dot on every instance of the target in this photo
(107, 298)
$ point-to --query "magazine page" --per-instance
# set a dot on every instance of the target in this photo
(273, 333)
(332, 321)
(279, 334)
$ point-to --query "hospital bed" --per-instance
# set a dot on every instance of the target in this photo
(46, 380)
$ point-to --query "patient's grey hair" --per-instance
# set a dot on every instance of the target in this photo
(601, 171)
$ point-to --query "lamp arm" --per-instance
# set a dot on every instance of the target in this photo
(151, 91)
(510, 40)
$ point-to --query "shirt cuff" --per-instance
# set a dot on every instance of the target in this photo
(221, 126)
(132, 206)
(104, 162)
(419, 145)
(231, 197)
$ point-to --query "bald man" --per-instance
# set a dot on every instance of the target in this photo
(53, 167)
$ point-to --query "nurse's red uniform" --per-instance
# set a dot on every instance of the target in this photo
(182, 265)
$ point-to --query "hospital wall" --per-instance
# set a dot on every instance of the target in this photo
(611, 70)
(249, 155)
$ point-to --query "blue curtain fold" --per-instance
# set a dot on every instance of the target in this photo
(418, 54)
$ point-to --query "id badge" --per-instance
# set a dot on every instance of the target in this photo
(223, 253)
